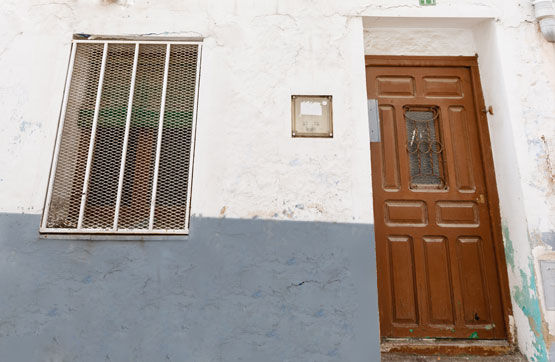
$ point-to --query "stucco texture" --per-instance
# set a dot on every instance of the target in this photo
(256, 54)
(234, 290)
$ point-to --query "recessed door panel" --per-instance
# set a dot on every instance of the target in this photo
(462, 153)
(395, 86)
(390, 172)
(406, 213)
(438, 280)
(442, 87)
(457, 214)
(475, 298)
(401, 254)
(437, 270)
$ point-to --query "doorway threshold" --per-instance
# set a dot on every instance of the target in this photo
(445, 347)
(387, 357)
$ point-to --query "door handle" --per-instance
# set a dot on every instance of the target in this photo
(481, 199)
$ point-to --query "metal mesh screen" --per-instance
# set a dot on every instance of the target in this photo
(122, 169)
(72, 158)
(106, 158)
(143, 134)
(424, 149)
(171, 196)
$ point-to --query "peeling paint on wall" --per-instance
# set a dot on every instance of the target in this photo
(268, 50)
(526, 297)
(509, 250)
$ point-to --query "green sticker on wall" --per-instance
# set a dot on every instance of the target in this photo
(427, 2)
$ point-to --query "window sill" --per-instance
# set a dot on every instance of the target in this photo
(113, 237)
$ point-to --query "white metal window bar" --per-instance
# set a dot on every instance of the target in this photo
(93, 135)
(159, 142)
(125, 167)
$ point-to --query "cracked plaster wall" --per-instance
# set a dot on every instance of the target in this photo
(235, 290)
(256, 54)
(238, 289)
(526, 127)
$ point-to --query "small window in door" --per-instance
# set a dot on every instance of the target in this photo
(424, 148)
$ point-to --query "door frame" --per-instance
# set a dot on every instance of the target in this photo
(470, 62)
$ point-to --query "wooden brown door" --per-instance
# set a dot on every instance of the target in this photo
(437, 266)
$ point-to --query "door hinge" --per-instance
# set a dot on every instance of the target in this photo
(374, 120)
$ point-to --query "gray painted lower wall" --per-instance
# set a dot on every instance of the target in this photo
(235, 290)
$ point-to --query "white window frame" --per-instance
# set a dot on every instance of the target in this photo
(54, 163)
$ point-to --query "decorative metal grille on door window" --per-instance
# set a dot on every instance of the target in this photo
(424, 147)
(123, 156)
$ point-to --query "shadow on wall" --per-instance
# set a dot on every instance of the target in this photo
(235, 290)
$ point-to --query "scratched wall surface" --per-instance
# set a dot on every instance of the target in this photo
(521, 87)
(235, 290)
(255, 55)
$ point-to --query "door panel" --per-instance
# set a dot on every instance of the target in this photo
(390, 171)
(438, 280)
(437, 268)
(403, 288)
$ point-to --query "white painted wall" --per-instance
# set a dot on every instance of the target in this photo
(520, 85)
(419, 41)
(253, 61)
(256, 54)
(245, 149)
